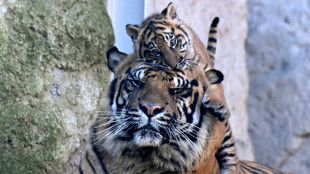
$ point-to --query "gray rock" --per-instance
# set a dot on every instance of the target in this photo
(278, 61)
(52, 66)
(230, 55)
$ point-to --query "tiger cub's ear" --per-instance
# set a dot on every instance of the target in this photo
(170, 12)
(114, 57)
(133, 32)
(214, 76)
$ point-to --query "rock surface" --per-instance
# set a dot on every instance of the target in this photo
(278, 60)
(53, 72)
(230, 56)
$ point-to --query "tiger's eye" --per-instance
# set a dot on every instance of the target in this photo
(174, 91)
(136, 83)
(173, 42)
(155, 53)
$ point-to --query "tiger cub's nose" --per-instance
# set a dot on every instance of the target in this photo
(151, 109)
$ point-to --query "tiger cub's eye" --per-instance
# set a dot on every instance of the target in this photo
(173, 43)
(155, 53)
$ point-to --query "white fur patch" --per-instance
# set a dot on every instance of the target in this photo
(146, 137)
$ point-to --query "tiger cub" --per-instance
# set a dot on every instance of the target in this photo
(165, 40)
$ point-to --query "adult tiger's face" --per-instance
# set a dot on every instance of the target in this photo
(162, 38)
(155, 104)
(154, 115)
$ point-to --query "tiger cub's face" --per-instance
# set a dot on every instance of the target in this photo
(153, 115)
(162, 39)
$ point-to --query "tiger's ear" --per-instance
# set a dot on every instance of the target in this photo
(170, 12)
(214, 76)
(133, 32)
(114, 57)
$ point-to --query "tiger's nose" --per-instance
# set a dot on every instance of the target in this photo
(151, 109)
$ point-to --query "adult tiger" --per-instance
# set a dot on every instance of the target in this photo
(158, 120)
(153, 120)
(165, 40)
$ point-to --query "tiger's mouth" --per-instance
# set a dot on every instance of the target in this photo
(148, 136)
(148, 127)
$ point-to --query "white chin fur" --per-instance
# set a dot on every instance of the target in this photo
(146, 138)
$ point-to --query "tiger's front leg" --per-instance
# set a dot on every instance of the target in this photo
(215, 104)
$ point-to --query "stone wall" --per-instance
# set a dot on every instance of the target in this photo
(53, 72)
(278, 60)
(230, 56)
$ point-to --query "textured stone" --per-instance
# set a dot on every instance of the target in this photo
(52, 66)
(230, 56)
(278, 49)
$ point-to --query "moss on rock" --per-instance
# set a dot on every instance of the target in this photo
(49, 52)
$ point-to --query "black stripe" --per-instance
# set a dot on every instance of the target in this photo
(162, 158)
(215, 21)
(211, 48)
(243, 169)
(119, 106)
(175, 163)
(226, 138)
(225, 147)
(227, 124)
(180, 35)
(159, 28)
(80, 170)
(172, 30)
(253, 169)
(148, 34)
(227, 165)
(180, 28)
(100, 158)
(194, 83)
(90, 164)
(189, 117)
(212, 31)
(220, 107)
(156, 22)
(140, 51)
(219, 116)
(207, 102)
(227, 154)
(212, 40)
(175, 146)
(229, 145)
(223, 160)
